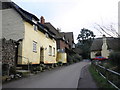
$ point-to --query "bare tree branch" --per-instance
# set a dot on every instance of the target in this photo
(103, 30)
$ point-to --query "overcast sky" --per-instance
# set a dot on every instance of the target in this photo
(73, 15)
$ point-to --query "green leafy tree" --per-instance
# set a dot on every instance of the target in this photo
(85, 35)
(85, 39)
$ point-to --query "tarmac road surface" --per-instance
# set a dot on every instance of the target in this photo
(62, 77)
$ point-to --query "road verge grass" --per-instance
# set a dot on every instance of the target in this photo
(100, 81)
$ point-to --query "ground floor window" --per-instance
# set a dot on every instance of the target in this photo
(50, 50)
(34, 46)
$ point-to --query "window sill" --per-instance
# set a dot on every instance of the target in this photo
(35, 51)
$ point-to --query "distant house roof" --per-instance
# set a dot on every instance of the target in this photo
(68, 37)
(59, 35)
(113, 43)
(97, 44)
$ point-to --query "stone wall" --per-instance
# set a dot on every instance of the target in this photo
(8, 51)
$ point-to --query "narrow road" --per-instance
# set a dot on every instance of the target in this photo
(63, 77)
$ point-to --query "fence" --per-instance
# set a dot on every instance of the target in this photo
(111, 76)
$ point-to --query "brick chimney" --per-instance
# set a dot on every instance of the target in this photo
(42, 20)
(104, 39)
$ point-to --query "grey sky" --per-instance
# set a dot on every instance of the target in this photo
(73, 15)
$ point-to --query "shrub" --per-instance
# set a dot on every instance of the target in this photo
(115, 57)
(38, 68)
(77, 57)
(74, 58)
(55, 65)
(70, 59)
(43, 67)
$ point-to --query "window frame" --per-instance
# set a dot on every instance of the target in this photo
(35, 46)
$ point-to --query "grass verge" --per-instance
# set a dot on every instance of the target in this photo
(100, 81)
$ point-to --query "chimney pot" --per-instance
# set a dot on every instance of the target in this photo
(42, 20)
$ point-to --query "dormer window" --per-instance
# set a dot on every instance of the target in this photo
(47, 35)
(63, 38)
(35, 27)
(33, 20)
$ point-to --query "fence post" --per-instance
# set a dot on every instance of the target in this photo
(107, 74)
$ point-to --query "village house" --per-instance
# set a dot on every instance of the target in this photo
(67, 45)
(104, 46)
(65, 41)
(36, 44)
(69, 38)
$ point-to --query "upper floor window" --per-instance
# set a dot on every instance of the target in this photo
(34, 46)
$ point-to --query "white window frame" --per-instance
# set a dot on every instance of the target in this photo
(34, 46)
